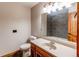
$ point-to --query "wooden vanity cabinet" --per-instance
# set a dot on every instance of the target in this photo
(39, 52)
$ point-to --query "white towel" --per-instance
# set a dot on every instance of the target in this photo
(32, 38)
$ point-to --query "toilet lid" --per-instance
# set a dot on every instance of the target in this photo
(25, 46)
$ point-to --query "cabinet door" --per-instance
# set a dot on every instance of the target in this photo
(33, 50)
(38, 54)
(32, 53)
(72, 27)
(42, 53)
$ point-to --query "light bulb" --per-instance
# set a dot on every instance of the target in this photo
(53, 8)
(67, 4)
(49, 8)
(45, 10)
(60, 8)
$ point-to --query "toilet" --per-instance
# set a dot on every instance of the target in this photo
(26, 47)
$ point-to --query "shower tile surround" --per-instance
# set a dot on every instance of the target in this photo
(57, 24)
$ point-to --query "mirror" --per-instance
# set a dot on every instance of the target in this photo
(57, 24)
(62, 23)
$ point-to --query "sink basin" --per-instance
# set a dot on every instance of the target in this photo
(51, 45)
(47, 43)
(43, 41)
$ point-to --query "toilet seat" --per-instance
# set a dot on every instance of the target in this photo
(25, 46)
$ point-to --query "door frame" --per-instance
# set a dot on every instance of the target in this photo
(77, 29)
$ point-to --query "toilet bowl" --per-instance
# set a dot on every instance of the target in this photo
(25, 46)
(26, 49)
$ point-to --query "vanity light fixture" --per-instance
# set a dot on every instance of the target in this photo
(48, 7)
(54, 6)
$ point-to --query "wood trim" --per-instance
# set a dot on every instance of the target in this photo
(11, 54)
(77, 29)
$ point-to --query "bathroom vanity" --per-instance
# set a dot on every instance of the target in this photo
(39, 52)
(41, 48)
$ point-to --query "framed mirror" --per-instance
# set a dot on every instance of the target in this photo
(62, 24)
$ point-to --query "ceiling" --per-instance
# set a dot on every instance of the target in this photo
(28, 4)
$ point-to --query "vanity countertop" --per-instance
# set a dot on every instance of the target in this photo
(60, 51)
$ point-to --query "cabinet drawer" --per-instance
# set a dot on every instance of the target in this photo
(33, 46)
(43, 53)
(33, 50)
(69, 38)
(72, 37)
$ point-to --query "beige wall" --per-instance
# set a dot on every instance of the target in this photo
(36, 12)
(13, 16)
(44, 24)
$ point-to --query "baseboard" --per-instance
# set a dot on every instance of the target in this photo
(11, 54)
